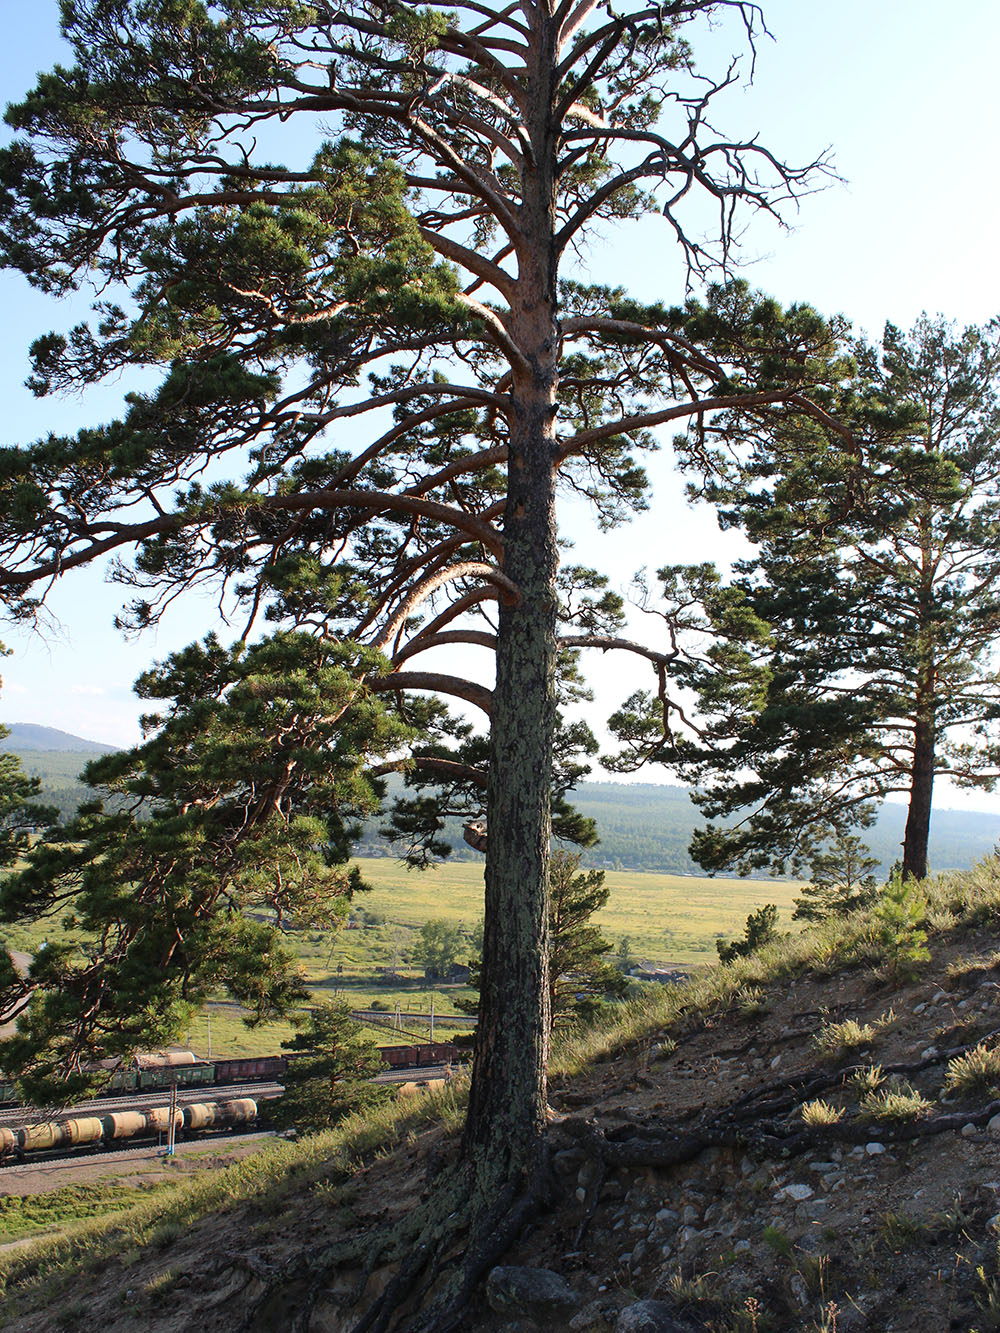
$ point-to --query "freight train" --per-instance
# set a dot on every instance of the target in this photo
(156, 1071)
(93, 1130)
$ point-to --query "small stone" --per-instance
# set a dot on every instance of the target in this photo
(687, 1235)
(776, 1062)
(741, 1246)
(940, 995)
(587, 1173)
(690, 1216)
(919, 1008)
(993, 1126)
(533, 1292)
(969, 1131)
(929, 1054)
(581, 1194)
(649, 1317)
(668, 1214)
(874, 1149)
(822, 1166)
(796, 1192)
(595, 1314)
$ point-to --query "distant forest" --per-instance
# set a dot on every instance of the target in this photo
(643, 826)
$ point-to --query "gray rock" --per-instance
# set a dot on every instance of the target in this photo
(690, 1216)
(993, 1127)
(969, 1131)
(798, 1288)
(668, 1214)
(587, 1173)
(797, 1192)
(874, 1149)
(596, 1314)
(533, 1292)
(649, 1317)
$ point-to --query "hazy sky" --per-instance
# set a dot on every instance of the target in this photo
(906, 98)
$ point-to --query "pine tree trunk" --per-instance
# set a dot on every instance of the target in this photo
(507, 1103)
(918, 818)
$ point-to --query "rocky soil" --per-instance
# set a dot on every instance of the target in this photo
(693, 1192)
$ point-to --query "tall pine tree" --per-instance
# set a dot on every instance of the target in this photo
(401, 281)
(878, 573)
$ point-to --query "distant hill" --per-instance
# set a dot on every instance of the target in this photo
(58, 758)
(28, 736)
(643, 826)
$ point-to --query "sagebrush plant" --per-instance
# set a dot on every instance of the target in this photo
(819, 1113)
(868, 1079)
(836, 1039)
(895, 1102)
(974, 1072)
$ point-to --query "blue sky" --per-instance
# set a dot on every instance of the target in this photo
(906, 98)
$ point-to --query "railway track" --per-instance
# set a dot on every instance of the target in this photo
(60, 1160)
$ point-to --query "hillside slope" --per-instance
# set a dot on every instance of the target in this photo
(685, 1172)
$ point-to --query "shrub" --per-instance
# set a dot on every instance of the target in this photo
(898, 1102)
(976, 1071)
(819, 1113)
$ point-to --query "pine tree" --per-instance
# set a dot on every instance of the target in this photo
(330, 1071)
(840, 882)
(878, 574)
(406, 278)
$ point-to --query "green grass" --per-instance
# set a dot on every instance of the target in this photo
(32, 1214)
(668, 919)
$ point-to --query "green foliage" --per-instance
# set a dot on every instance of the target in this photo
(761, 929)
(840, 881)
(818, 1113)
(329, 1072)
(247, 782)
(835, 1040)
(976, 1071)
(437, 948)
(875, 572)
(896, 1102)
(899, 919)
(580, 975)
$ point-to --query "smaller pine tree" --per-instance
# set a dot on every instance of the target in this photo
(330, 1072)
(761, 929)
(841, 880)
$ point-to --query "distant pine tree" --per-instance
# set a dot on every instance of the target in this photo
(841, 881)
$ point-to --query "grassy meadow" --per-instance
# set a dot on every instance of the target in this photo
(668, 920)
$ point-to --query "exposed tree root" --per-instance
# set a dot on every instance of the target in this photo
(437, 1255)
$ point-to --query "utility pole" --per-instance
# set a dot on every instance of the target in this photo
(172, 1127)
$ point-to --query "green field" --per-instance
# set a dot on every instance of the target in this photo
(669, 920)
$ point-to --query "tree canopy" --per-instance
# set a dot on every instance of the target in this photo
(877, 576)
(378, 373)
